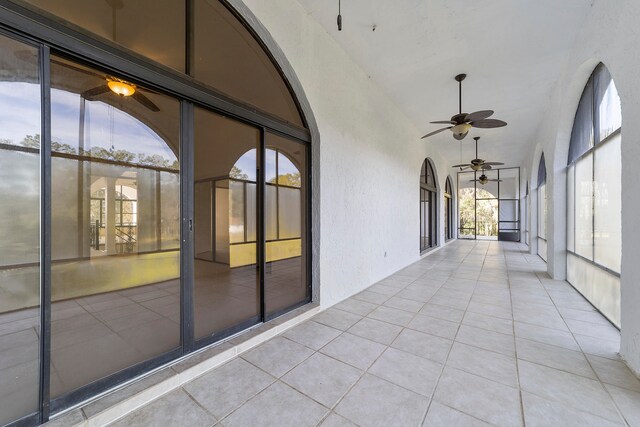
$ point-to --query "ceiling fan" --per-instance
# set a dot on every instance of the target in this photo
(461, 123)
(484, 179)
(477, 163)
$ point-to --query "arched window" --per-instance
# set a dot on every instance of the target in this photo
(594, 195)
(176, 161)
(448, 210)
(542, 209)
(224, 53)
(525, 212)
(428, 207)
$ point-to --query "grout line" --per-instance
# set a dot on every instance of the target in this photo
(515, 349)
(444, 364)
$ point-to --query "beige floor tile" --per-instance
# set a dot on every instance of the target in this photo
(354, 350)
(322, 378)
(407, 370)
(484, 399)
(278, 405)
(376, 402)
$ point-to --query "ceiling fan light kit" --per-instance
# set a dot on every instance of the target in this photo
(461, 123)
(478, 164)
(120, 87)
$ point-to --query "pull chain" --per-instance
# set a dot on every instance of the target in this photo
(339, 20)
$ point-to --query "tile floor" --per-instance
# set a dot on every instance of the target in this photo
(475, 334)
(97, 335)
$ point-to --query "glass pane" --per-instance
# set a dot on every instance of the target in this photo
(288, 173)
(508, 210)
(542, 171)
(542, 211)
(487, 222)
(600, 287)
(115, 291)
(424, 219)
(466, 206)
(270, 165)
(490, 189)
(271, 212)
(542, 248)
(226, 284)
(571, 209)
(447, 217)
(584, 207)
(228, 58)
(251, 211)
(608, 208)
(203, 220)
(431, 179)
(152, 28)
(289, 212)
(19, 230)
(220, 222)
(236, 212)
(609, 114)
(286, 272)
(245, 167)
(582, 132)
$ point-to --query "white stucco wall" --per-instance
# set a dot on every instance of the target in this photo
(609, 35)
(367, 155)
(367, 158)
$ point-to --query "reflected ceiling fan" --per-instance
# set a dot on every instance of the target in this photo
(122, 88)
(111, 84)
(477, 163)
(484, 179)
(461, 123)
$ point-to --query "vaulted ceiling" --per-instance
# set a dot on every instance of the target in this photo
(513, 52)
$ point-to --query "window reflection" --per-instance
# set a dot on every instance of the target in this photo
(153, 28)
(226, 279)
(115, 234)
(19, 230)
(285, 275)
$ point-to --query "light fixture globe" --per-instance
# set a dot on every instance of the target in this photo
(461, 130)
(121, 88)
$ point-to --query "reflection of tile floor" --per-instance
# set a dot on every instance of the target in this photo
(475, 334)
(98, 335)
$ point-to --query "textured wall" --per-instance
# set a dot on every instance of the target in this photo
(366, 157)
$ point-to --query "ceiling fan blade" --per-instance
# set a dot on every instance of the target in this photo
(488, 123)
(460, 137)
(494, 163)
(92, 93)
(442, 122)
(145, 101)
(478, 115)
(462, 165)
(486, 167)
(435, 132)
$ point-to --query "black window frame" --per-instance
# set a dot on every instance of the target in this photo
(448, 210)
(428, 194)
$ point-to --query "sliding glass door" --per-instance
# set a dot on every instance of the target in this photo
(20, 193)
(226, 268)
(154, 197)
